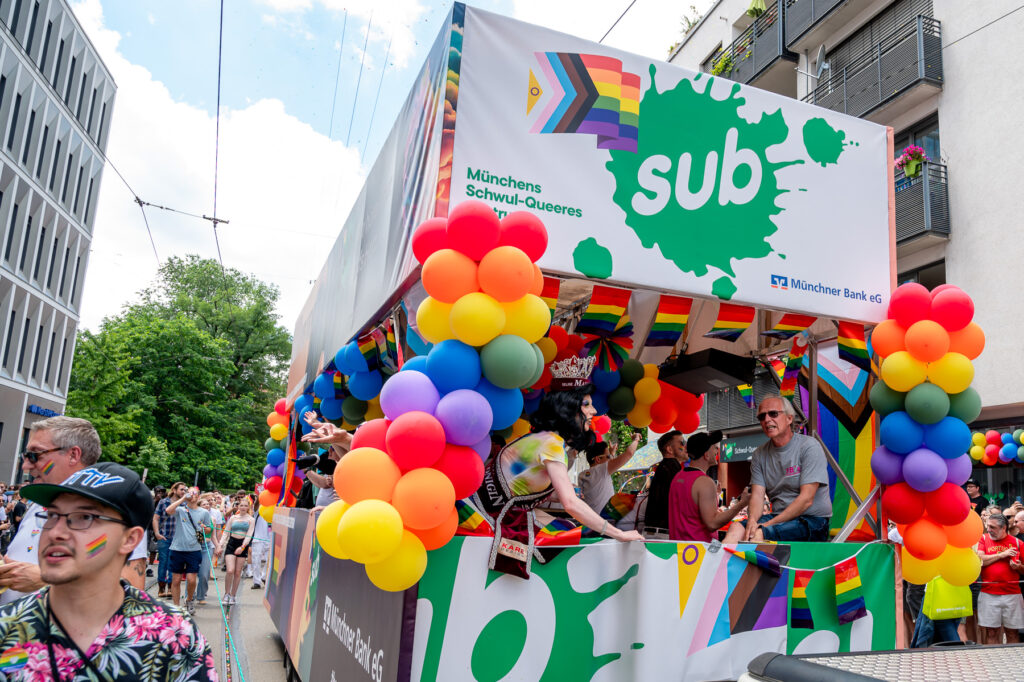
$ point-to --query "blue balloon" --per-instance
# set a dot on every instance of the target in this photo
(949, 437)
(530, 405)
(1008, 452)
(323, 387)
(506, 403)
(365, 385)
(901, 434)
(354, 360)
(341, 364)
(275, 457)
(605, 381)
(1007, 439)
(601, 401)
(303, 404)
(452, 365)
(418, 364)
(331, 408)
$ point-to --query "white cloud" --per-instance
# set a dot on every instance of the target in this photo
(285, 188)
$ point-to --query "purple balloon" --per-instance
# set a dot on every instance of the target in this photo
(465, 415)
(269, 471)
(408, 391)
(280, 469)
(959, 469)
(924, 470)
(887, 466)
(483, 448)
(300, 474)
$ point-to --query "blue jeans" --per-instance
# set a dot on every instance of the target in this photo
(801, 529)
(928, 631)
(204, 573)
(163, 553)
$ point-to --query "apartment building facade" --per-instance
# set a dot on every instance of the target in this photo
(56, 103)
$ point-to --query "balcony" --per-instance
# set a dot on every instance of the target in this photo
(901, 71)
(759, 56)
(922, 209)
(810, 22)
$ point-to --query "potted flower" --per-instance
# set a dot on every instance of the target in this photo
(910, 161)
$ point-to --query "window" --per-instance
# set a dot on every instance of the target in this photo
(42, 151)
(931, 275)
(35, 354)
(39, 254)
(49, 357)
(32, 29)
(64, 271)
(88, 200)
(28, 137)
(56, 67)
(53, 168)
(24, 244)
(74, 280)
(103, 117)
(14, 19)
(10, 232)
(60, 365)
(67, 176)
(24, 344)
(92, 110)
(10, 337)
(71, 79)
(81, 98)
(14, 123)
(924, 134)
(3, 87)
(46, 46)
(78, 189)
(53, 262)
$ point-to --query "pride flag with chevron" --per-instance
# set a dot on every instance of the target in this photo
(852, 346)
(732, 321)
(670, 321)
(789, 326)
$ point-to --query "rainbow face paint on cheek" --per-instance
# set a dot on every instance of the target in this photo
(49, 467)
(96, 546)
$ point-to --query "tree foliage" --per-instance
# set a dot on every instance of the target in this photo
(180, 382)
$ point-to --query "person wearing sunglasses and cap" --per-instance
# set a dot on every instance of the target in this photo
(791, 470)
(88, 624)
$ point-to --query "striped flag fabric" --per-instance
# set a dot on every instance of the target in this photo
(793, 364)
(747, 393)
(368, 349)
(789, 326)
(799, 607)
(618, 506)
(849, 595)
(769, 563)
(558, 533)
(852, 346)
(607, 306)
(670, 320)
(732, 321)
(549, 293)
(472, 522)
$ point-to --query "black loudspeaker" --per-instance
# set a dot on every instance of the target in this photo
(708, 371)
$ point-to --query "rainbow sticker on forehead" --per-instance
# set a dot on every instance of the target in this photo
(49, 467)
(13, 659)
(96, 546)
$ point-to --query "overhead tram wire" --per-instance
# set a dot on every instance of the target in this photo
(376, 99)
(216, 141)
(355, 97)
(142, 208)
(337, 77)
(617, 21)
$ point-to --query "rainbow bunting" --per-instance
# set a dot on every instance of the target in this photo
(732, 321)
(779, 367)
(611, 350)
(789, 326)
(670, 321)
(549, 293)
(793, 364)
(747, 393)
(849, 595)
(799, 607)
(852, 346)
(618, 506)
(769, 563)
(368, 349)
(607, 306)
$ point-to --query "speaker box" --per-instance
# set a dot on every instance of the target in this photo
(708, 371)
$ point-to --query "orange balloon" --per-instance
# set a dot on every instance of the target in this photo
(448, 275)
(366, 474)
(887, 338)
(538, 281)
(925, 539)
(967, 532)
(268, 499)
(927, 340)
(506, 273)
(969, 341)
(424, 497)
(275, 418)
(438, 536)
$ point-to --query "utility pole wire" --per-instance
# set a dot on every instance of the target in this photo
(617, 21)
(337, 78)
(355, 98)
(376, 99)
(152, 243)
(216, 141)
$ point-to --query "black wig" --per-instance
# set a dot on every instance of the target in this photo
(562, 412)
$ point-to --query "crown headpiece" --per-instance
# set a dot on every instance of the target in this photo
(571, 373)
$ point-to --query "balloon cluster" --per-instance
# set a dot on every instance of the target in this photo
(635, 393)
(926, 346)
(276, 446)
(991, 447)
(347, 395)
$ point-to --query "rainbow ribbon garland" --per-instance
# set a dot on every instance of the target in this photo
(849, 595)
(732, 321)
(789, 326)
(852, 346)
(670, 321)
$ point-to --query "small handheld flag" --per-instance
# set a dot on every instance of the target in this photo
(763, 560)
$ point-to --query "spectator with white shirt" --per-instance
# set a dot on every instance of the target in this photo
(596, 481)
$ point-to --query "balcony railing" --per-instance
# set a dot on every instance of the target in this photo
(922, 203)
(910, 55)
(801, 15)
(755, 49)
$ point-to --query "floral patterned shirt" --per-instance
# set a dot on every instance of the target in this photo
(145, 640)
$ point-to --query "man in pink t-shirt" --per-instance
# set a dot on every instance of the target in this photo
(693, 497)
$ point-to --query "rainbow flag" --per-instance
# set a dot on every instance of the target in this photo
(769, 563)
(849, 595)
(670, 321)
(779, 367)
(793, 364)
(13, 659)
(607, 306)
(732, 321)
(747, 393)
(852, 346)
(549, 293)
(471, 522)
(799, 607)
(368, 349)
(618, 506)
(558, 533)
(789, 326)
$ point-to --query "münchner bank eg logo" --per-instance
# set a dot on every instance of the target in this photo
(780, 282)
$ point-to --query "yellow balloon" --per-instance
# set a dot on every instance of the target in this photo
(327, 528)
(547, 348)
(640, 415)
(976, 452)
(521, 427)
(978, 439)
(267, 513)
(345, 426)
(432, 320)
(529, 317)
(953, 372)
(476, 319)
(959, 565)
(403, 568)
(373, 411)
(651, 370)
(370, 531)
(647, 391)
(916, 571)
(901, 371)
(278, 431)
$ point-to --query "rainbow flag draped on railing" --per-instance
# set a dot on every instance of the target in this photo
(549, 293)
(789, 326)
(849, 595)
(732, 321)
(852, 346)
(368, 349)
(558, 533)
(793, 364)
(670, 321)
(799, 607)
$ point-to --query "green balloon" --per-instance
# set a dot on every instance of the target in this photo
(538, 370)
(302, 447)
(617, 416)
(927, 403)
(508, 361)
(965, 405)
(631, 372)
(505, 433)
(885, 400)
(353, 409)
(1018, 434)
(340, 423)
(271, 444)
(621, 400)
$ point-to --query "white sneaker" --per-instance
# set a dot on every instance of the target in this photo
(226, 600)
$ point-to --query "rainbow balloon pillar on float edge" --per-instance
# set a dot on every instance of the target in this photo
(274, 493)
(925, 402)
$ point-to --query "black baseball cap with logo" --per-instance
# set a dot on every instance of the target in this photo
(111, 484)
(701, 442)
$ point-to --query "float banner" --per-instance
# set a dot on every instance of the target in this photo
(650, 175)
(615, 611)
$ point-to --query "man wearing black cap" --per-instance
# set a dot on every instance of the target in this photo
(88, 624)
(978, 502)
(693, 514)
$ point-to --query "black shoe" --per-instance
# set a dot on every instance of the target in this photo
(149, 572)
(256, 587)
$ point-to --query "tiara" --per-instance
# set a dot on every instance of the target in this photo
(572, 372)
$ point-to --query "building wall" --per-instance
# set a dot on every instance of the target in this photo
(56, 104)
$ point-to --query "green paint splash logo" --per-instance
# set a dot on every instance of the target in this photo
(824, 144)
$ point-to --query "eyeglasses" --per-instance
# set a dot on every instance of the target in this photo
(34, 456)
(769, 413)
(75, 520)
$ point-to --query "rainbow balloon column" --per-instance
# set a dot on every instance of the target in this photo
(925, 402)
(399, 483)
(274, 473)
(991, 447)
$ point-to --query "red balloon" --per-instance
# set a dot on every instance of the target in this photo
(429, 237)
(660, 428)
(473, 229)
(949, 505)
(664, 411)
(902, 503)
(565, 354)
(545, 379)
(943, 287)
(991, 455)
(994, 438)
(559, 336)
(602, 424)
(281, 407)
(909, 303)
(463, 467)
(371, 435)
(273, 484)
(438, 536)
(414, 440)
(575, 343)
(688, 422)
(296, 485)
(525, 231)
(952, 308)
(688, 402)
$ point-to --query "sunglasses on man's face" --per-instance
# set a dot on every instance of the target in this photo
(774, 414)
(34, 456)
